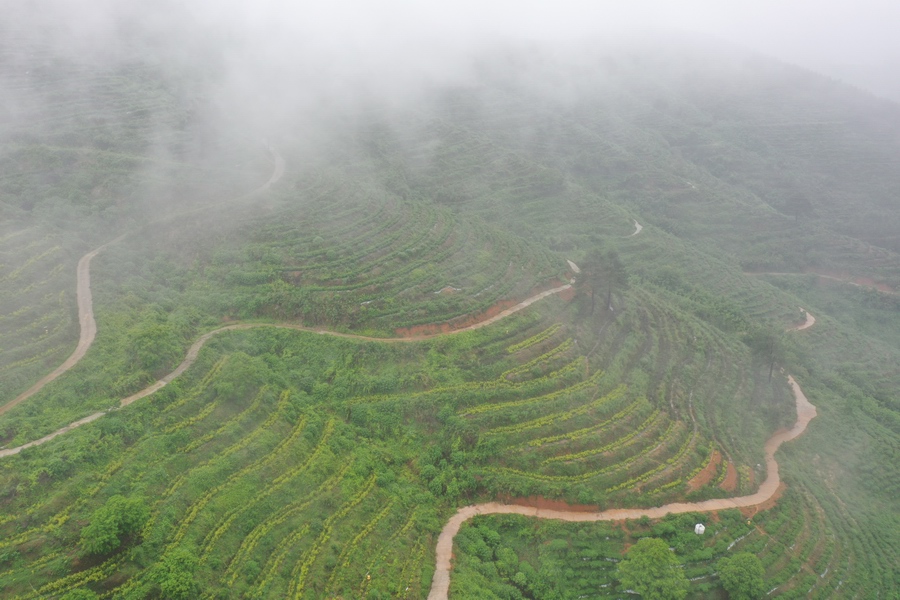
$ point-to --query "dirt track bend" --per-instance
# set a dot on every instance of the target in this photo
(86, 305)
(806, 412)
(637, 228)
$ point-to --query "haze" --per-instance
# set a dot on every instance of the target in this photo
(853, 41)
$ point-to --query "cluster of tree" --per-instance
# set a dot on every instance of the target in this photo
(653, 570)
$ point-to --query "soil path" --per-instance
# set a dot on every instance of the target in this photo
(88, 327)
(86, 321)
(810, 321)
(637, 228)
(806, 412)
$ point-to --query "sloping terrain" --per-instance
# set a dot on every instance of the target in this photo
(287, 463)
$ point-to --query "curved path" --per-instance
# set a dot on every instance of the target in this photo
(88, 327)
(86, 321)
(194, 350)
(806, 412)
(637, 228)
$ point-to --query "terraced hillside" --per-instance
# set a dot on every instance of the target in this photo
(87, 150)
(282, 488)
(318, 453)
(38, 321)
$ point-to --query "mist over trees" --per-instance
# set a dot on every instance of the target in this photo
(329, 253)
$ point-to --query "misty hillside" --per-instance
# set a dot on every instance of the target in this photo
(310, 349)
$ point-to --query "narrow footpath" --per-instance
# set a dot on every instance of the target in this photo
(806, 412)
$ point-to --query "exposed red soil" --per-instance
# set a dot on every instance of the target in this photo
(731, 479)
(707, 474)
(840, 276)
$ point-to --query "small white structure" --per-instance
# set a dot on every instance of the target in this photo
(699, 528)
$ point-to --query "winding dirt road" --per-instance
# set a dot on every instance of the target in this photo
(88, 326)
(637, 228)
(806, 412)
(86, 321)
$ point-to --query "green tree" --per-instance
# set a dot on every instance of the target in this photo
(175, 575)
(154, 345)
(742, 576)
(652, 570)
(602, 269)
(118, 518)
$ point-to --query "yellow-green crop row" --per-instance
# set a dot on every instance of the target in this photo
(591, 474)
(387, 545)
(208, 496)
(195, 392)
(196, 418)
(540, 359)
(483, 408)
(62, 516)
(35, 566)
(34, 358)
(252, 540)
(64, 584)
(213, 434)
(301, 571)
(724, 473)
(669, 462)
(668, 486)
(242, 443)
(280, 552)
(552, 418)
(478, 386)
(621, 442)
(343, 560)
(270, 489)
(580, 433)
(704, 464)
(15, 274)
(535, 339)
(408, 573)
(51, 276)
